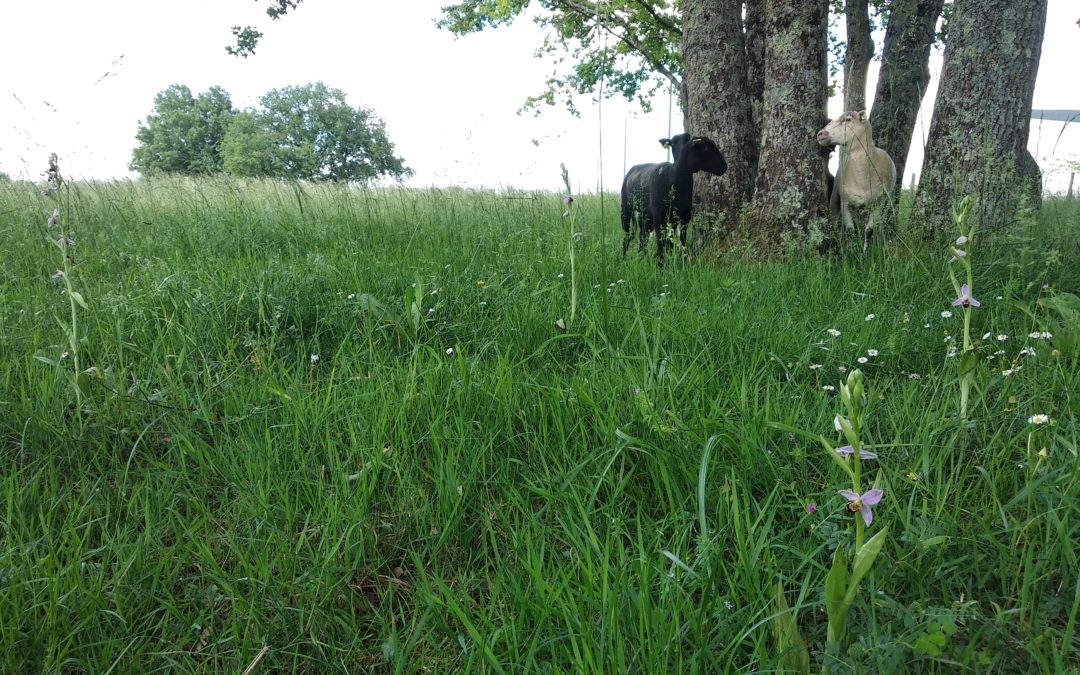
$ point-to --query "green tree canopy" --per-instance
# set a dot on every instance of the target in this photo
(184, 133)
(311, 132)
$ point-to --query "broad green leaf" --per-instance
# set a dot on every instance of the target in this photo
(789, 644)
(967, 362)
(864, 559)
(77, 296)
(835, 605)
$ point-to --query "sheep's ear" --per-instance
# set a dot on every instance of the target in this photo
(665, 142)
(862, 115)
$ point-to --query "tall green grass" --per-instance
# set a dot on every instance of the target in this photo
(339, 430)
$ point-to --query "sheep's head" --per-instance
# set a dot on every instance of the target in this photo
(704, 156)
(844, 129)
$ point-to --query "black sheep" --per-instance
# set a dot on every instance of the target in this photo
(657, 194)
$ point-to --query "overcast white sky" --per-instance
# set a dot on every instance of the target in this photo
(79, 75)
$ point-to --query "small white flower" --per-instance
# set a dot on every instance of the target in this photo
(906, 319)
(729, 605)
(999, 298)
(948, 338)
(449, 351)
(1046, 335)
(314, 359)
(483, 303)
(999, 352)
(431, 310)
(872, 352)
(986, 336)
(952, 352)
(961, 240)
(1002, 338)
(946, 314)
(561, 275)
(1039, 419)
(663, 295)
(351, 296)
(914, 376)
(1010, 371)
(869, 317)
(833, 332)
(926, 325)
(836, 423)
(828, 387)
(1035, 335)
(842, 369)
(862, 359)
(815, 366)
(1027, 351)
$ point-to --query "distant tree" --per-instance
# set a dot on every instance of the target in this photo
(183, 134)
(249, 149)
(311, 132)
(4, 178)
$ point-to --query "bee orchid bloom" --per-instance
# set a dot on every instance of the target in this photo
(861, 503)
(965, 299)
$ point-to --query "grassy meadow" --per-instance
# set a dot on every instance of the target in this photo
(331, 430)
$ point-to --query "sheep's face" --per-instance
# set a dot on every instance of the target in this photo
(705, 156)
(844, 129)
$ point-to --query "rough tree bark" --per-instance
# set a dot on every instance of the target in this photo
(790, 188)
(860, 50)
(977, 143)
(714, 59)
(755, 58)
(904, 75)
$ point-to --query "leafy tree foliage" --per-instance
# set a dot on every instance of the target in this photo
(632, 45)
(307, 132)
(311, 132)
(184, 133)
(249, 149)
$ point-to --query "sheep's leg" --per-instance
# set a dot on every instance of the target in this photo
(868, 233)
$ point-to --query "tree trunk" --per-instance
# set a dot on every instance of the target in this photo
(755, 59)
(789, 191)
(860, 50)
(718, 106)
(904, 75)
(977, 144)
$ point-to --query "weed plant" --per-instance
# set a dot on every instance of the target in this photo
(331, 429)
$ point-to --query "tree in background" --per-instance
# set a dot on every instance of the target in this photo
(977, 144)
(248, 149)
(905, 73)
(183, 134)
(789, 192)
(307, 132)
(313, 133)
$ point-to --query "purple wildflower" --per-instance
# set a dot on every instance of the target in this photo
(811, 507)
(846, 450)
(861, 503)
(965, 299)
